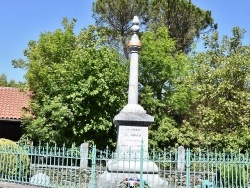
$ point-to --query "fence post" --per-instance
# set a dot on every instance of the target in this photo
(84, 155)
(141, 165)
(188, 168)
(181, 159)
(93, 159)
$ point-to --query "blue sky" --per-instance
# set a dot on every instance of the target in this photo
(228, 14)
(23, 20)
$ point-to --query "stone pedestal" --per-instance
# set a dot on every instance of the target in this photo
(131, 158)
(113, 180)
(132, 124)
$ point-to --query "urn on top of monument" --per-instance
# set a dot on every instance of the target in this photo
(135, 42)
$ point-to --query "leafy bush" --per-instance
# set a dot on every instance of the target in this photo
(14, 161)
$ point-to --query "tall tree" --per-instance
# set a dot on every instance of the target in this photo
(116, 15)
(3, 80)
(12, 83)
(184, 20)
(78, 82)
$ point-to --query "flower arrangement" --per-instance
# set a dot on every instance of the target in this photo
(132, 183)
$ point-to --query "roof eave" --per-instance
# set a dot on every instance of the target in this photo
(12, 120)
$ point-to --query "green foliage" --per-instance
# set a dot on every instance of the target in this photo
(3, 80)
(170, 135)
(79, 84)
(203, 104)
(14, 161)
(162, 69)
(197, 102)
(184, 20)
(164, 93)
(115, 17)
(235, 175)
(12, 83)
(221, 80)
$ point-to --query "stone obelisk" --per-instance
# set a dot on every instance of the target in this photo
(133, 121)
(132, 124)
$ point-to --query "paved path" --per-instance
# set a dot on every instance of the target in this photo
(13, 185)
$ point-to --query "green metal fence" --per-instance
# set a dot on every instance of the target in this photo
(46, 166)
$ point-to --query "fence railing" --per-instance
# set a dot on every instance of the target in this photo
(85, 166)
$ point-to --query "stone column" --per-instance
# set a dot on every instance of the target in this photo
(134, 46)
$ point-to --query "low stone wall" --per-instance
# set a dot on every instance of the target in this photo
(60, 175)
(178, 179)
(77, 177)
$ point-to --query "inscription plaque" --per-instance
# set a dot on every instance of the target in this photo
(131, 137)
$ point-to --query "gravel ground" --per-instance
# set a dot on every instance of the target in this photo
(13, 185)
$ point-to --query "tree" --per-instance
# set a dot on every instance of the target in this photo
(221, 80)
(12, 83)
(3, 80)
(184, 20)
(115, 17)
(79, 84)
(202, 102)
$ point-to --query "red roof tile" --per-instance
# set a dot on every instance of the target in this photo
(12, 101)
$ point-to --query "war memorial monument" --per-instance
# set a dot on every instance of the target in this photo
(131, 157)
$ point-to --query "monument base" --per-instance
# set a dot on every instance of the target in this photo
(129, 166)
(118, 171)
(116, 180)
(132, 145)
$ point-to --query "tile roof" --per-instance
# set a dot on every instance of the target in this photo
(12, 101)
